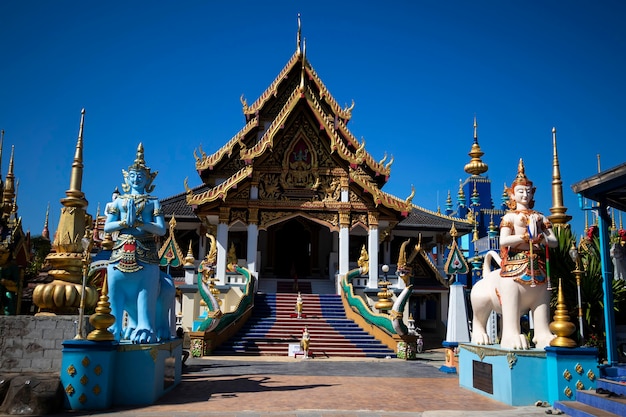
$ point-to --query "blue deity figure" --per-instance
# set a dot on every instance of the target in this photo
(136, 283)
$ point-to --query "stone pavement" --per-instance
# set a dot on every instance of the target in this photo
(340, 387)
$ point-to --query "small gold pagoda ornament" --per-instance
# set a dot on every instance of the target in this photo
(561, 326)
(384, 303)
(102, 319)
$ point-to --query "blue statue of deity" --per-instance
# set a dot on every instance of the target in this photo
(136, 283)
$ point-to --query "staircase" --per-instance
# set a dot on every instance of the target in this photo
(273, 326)
(607, 400)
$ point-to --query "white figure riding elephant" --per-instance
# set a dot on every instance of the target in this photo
(136, 283)
(519, 285)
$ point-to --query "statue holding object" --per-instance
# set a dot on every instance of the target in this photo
(136, 283)
(520, 284)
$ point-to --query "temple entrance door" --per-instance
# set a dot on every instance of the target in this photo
(293, 249)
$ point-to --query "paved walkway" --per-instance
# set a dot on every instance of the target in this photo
(288, 387)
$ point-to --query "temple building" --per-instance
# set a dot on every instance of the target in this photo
(294, 197)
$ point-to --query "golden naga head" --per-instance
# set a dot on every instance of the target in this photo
(403, 270)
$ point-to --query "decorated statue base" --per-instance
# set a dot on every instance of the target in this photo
(99, 375)
(514, 377)
(570, 369)
(523, 377)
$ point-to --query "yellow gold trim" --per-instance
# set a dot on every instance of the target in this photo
(84, 380)
(97, 370)
(97, 389)
(85, 361)
(70, 390)
(82, 398)
(221, 190)
(71, 370)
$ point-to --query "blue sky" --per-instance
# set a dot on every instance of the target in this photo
(170, 74)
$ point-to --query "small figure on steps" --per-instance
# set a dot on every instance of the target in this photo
(299, 305)
(305, 341)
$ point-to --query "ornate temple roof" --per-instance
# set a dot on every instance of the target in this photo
(297, 90)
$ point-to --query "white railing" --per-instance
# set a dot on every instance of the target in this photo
(487, 243)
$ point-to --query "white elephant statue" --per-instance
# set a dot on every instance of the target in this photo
(519, 285)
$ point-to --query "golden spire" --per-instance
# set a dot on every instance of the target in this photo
(299, 36)
(1, 142)
(45, 233)
(189, 259)
(75, 197)
(476, 166)
(302, 71)
(613, 227)
(8, 193)
(558, 216)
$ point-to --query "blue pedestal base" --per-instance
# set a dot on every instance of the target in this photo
(144, 373)
(514, 377)
(570, 369)
(523, 377)
(99, 375)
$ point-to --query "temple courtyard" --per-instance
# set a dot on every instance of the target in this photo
(284, 386)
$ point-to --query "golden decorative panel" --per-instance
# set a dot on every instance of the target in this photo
(85, 361)
(82, 398)
(84, 380)
(591, 375)
(567, 375)
(568, 392)
(70, 390)
(97, 370)
(238, 215)
(97, 390)
(580, 385)
(579, 369)
(71, 370)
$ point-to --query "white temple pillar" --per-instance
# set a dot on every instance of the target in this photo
(344, 242)
(253, 237)
(372, 249)
(222, 250)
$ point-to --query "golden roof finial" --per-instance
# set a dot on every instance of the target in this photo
(476, 166)
(1, 143)
(45, 233)
(475, 130)
(613, 226)
(303, 65)
(453, 232)
(299, 36)
(8, 194)
(75, 197)
(558, 216)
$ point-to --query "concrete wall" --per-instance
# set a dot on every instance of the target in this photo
(34, 344)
